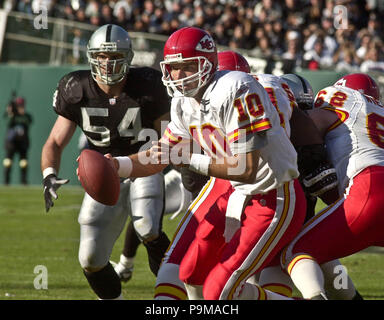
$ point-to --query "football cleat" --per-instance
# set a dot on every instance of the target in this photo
(124, 273)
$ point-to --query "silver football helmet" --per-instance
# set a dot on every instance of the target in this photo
(109, 38)
(301, 88)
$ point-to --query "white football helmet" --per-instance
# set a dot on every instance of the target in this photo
(109, 38)
(302, 90)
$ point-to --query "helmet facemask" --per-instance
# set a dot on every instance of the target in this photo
(180, 86)
(109, 71)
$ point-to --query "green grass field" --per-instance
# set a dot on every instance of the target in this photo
(30, 237)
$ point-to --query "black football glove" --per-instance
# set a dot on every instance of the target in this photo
(51, 184)
(320, 180)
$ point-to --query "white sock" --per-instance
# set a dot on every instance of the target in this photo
(276, 280)
(255, 292)
(194, 292)
(126, 262)
(254, 279)
(307, 276)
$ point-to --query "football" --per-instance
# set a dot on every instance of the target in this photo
(98, 177)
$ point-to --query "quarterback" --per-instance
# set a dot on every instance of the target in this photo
(283, 98)
(230, 115)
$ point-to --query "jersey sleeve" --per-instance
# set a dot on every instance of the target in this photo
(246, 120)
(68, 93)
(176, 132)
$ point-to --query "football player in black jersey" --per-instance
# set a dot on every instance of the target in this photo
(17, 138)
(111, 103)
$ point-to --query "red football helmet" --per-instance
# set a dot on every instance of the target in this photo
(360, 82)
(184, 45)
(231, 60)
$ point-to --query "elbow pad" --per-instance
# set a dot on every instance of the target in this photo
(320, 180)
(316, 173)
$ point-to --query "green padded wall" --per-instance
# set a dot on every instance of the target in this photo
(36, 83)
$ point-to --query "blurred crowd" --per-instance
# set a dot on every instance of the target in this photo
(316, 34)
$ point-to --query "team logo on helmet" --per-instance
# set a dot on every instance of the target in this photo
(340, 83)
(206, 44)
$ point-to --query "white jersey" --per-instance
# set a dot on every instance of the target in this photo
(281, 97)
(235, 111)
(356, 140)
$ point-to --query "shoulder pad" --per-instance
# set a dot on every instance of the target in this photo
(70, 88)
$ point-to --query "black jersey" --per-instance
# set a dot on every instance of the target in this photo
(113, 125)
(18, 127)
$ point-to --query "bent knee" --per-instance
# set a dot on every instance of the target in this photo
(23, 163)
(7, 163)
(150, 237)
(215, 283)
(92, 269)
(145, 232)
(91, 261)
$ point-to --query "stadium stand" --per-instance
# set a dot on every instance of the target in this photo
(313, 34)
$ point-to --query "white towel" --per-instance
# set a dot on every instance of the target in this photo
(235, 207)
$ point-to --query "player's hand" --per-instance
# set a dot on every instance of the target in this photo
(77, 169)
(162, 153)
(321, 180)
(51, 183)
(159, 153)
(115, 162)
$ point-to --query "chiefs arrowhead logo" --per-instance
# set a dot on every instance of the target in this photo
(206, 44)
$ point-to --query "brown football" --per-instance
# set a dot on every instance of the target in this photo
(98, 177)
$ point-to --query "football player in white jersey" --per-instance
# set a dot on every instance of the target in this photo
(350, 117)
(232, 118)
(286, 102)
(328, 184)
(169, 286)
